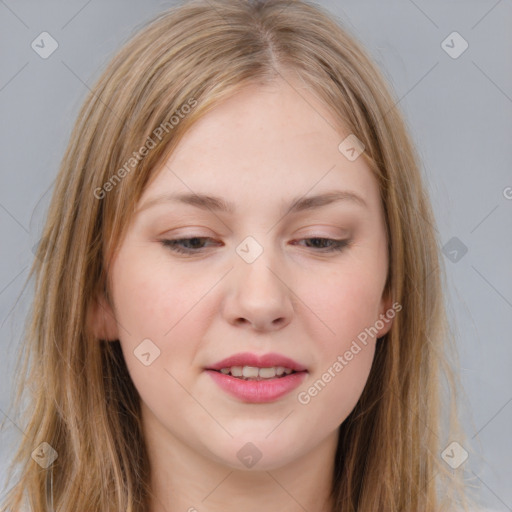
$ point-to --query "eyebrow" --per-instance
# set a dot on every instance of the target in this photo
(299, 204)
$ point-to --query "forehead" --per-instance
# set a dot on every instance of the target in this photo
(265, 143)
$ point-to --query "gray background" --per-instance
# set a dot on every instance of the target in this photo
(459, 111)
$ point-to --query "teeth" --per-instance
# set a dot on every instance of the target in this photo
(255, 373)
(250, 371)
(236, 371)
(267, 373)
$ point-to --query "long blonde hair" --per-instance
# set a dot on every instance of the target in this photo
(82, 401)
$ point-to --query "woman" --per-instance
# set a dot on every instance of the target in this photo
(238, 296)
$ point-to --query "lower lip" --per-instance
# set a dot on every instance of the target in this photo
(257, 391)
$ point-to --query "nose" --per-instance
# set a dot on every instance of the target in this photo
(259, 296)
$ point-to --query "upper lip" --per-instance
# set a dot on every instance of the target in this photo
(261, 361)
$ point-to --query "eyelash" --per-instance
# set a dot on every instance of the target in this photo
(172, 244)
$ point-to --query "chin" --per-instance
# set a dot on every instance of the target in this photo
(255, 453)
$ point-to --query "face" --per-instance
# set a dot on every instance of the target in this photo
(194, 283)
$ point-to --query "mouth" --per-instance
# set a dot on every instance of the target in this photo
(257, 379)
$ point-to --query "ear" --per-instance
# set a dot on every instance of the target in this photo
(101, 319)
(387, 312)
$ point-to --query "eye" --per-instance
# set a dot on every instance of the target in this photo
(194, 245)
(176, 244)
(334, 244)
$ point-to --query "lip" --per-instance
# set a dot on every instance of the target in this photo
(261, 391)
(261, 361)
(257, 391)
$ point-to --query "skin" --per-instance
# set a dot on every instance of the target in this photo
(258, 149)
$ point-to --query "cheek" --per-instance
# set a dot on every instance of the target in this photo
(346, 306)
(152, 301)
(155, 304)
